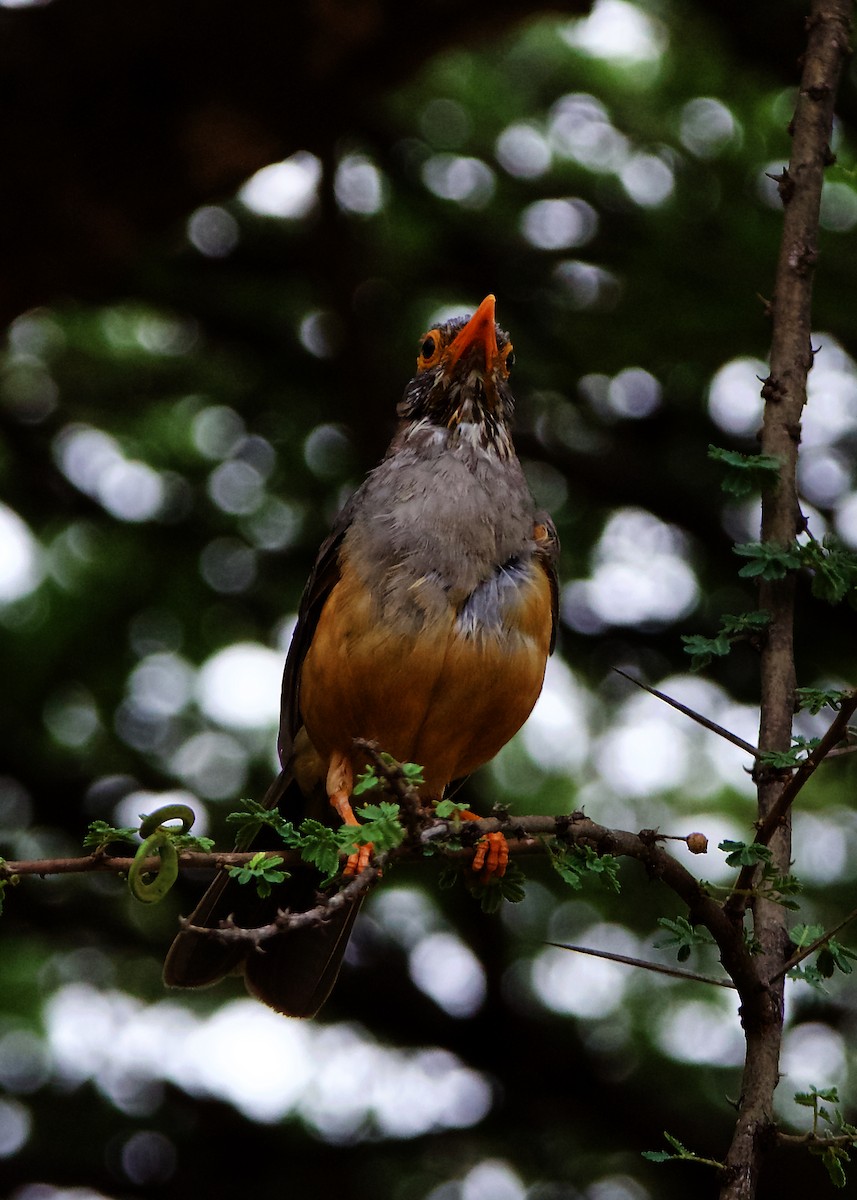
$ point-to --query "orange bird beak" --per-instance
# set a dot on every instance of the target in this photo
(479, 331)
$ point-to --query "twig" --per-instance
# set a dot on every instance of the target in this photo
(191, 860)
(787, 796)
(229, 932)
(818, 1143)
(783, 801)
(693, 714)
(805, 951)
(415, 812)
(660, 968)
(523, 834)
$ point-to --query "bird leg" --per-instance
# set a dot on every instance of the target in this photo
(340, 783)
(492, 852)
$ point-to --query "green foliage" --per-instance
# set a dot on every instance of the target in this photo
(192, 841)
(320, 846)
(381, 826)
(254, 817)
(772, 885)
(745, 473)
(370, 779)
(679, 1153)
(575, 864)
(684, 936)
(813, 700)
(832, 955)
(101, 834)
(491, 893)
(826, 1126)
(767, 560)
(263, 870)
(744, 854)
(834, 569)
(446, 809)
(778, 888)
(743, 627)
(785, 760)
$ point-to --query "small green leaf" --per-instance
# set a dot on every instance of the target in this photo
(190, 841)
(449, 808)
(381, 826)
(732, 629)
(492, 893)
(813, 700)
(833, 1158)
(744, 854)
(254, 817)
(768, 560)
(802, 935)
(703, 649)
(574, 863)
(684, 936)
(319, 846)
(657, 1156)
(367, 782)
(745, 473)
(262, 870)
(102, 833)
(746, 623)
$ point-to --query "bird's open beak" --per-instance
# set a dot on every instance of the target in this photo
(479, 331)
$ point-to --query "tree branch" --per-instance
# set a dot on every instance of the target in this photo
(525, 835)
(784, 392)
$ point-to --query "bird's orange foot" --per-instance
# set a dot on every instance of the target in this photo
(340, 781)
(359, 861)
(492, 852)
(491, 858)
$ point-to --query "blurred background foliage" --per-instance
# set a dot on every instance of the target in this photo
(222, 248)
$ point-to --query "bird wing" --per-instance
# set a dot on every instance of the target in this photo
(547, 554)
(298, 968)
(322, 580)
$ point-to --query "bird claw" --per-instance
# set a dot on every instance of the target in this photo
(491, 858)
(359, 861)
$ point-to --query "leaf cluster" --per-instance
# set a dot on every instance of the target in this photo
(684, 936)
(576, 864)
(770, 883)
(743, 627)
(745, 473)
(813, 700)
(371, 779)
(831, 957)
(826, 1124)
(832, 565)
(679, 1153)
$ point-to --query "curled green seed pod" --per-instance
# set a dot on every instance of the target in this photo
(157, 840)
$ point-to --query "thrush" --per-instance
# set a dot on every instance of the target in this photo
(425, 626)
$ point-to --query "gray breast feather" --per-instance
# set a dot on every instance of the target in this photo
(484, 609)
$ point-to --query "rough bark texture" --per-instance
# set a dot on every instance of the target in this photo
(785, 395)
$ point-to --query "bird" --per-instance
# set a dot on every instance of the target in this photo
(425, 626)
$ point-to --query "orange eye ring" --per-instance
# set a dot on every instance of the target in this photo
(430, 349)
(507, 357)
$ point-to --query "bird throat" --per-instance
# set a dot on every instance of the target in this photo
(472, 418)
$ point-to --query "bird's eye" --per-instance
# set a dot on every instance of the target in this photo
(508, 358)
(429, 350)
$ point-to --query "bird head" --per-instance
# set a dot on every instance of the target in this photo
(462, 378)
